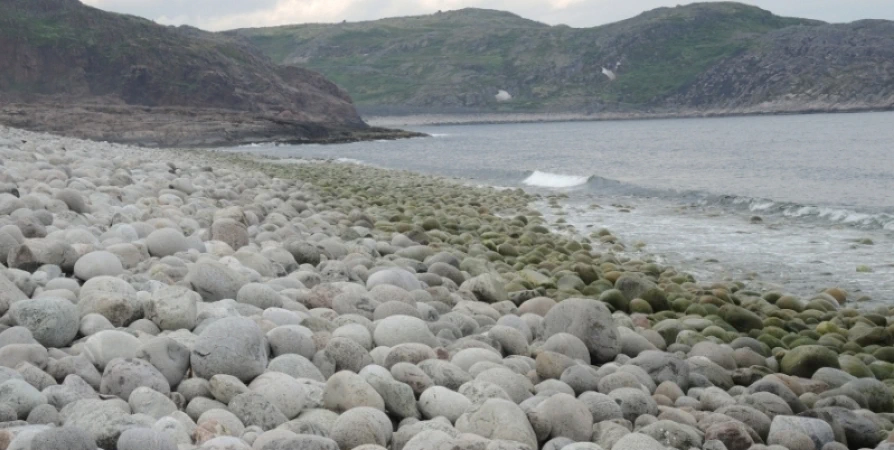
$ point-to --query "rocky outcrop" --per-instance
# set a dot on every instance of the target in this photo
(72, 69)
(846, 66)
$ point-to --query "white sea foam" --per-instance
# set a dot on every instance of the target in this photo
(554, 181)
(350, 161)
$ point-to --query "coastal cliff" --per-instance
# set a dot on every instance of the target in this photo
(71, 69)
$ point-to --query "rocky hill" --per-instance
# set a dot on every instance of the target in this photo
(725, 57)
(72, 69)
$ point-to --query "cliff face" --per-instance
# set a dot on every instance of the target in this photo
(711, 56)
(822, 67)
(83, 60)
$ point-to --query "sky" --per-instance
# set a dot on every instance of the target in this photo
(216, 15)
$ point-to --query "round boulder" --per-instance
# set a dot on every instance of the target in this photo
(110, 297)
(21, 396)
(397, 330)
(439, 401)
(215, 281)
(395, 277)
(361, 426)
(259, 295)
(166, 242)
(498, 419)
(53, 321)
(122, 376)
(803, 361)
(233, 346)
(173, 308)
(590, 321)
(63, 438)
(346, 390)
(98, 264)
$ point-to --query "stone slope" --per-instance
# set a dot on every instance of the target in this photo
(60, 56)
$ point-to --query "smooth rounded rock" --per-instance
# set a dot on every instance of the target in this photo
(361, 426)
(438, 401)
(805, 360)
(123, 375)
(346, 390)
(291, 339)
(166, 242)
(110, 297)
(498, 419)
(145, 439)
(98, 264)
(63, 438)
(286, 393)
(233, 346)
(53, 321)
(173, 308)
(170, 357)
(396, 330)
(21, 396)
(215, 281)
(396, 277)
(253, 408)
(259, 295)
(105, 346)
(144, 400)
(588, 320)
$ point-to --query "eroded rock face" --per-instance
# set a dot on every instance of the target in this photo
(214, 76)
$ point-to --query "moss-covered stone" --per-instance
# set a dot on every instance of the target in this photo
(717, 332)
(740, 318)
(805, 360)
(616, 299)
(790, 302)
(854, 366)
(770, 341)
(884, 354)
(641, 306)
(865, 335)
(882, 370)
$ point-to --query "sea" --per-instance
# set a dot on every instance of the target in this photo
(795, 203)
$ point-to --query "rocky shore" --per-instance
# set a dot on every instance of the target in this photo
(183, 127)
(158, 299)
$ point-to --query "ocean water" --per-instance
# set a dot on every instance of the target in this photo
(689, 192)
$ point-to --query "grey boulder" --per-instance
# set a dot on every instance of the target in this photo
(233, 346)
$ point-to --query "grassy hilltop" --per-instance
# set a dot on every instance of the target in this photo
(696, 56)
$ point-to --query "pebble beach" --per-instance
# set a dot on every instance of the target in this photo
(163, 299)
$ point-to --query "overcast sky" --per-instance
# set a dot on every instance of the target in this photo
(226, 14)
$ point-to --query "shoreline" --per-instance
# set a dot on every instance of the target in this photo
(437, 119)
(164, 127)
(193, 288)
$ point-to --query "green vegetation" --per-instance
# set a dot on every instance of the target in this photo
(460, 59)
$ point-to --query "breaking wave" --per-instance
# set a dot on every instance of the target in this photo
(554, 180)
(766, 207)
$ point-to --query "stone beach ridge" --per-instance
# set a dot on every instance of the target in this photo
(160, 299)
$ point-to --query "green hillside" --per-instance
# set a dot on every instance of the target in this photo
(460, 59)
